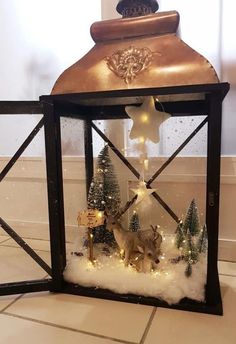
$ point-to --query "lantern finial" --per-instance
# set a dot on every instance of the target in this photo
(136, 8)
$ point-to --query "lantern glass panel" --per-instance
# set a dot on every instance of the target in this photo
(178, 203)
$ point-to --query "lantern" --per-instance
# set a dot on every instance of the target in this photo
(139, 69)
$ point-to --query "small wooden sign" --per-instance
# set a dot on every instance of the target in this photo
(91, 218)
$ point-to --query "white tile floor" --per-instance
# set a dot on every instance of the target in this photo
(55, 318)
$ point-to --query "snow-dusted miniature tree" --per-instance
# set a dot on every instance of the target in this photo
(179, 235)
(134, 224)
(191, 222)
(95, 196)
(104, 193)
(111, 190)
(202, 240)
(190, 254)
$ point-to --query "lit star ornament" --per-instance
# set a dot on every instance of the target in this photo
(142, 192)
(146, 120)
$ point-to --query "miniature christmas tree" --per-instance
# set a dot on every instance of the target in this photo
(104, 193)
(134, 225)
(202, 240)
(191, 222)
(95, 196)
(190, 254)
(179, 235)
(111, 190)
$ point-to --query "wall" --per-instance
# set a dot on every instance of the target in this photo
(206, 26)
(39, 40)
(42, 52)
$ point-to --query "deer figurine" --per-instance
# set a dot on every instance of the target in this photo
(147, 242)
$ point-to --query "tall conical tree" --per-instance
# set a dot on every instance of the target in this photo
(202, 240)
(104, 193)
(191, 222)
(134, 225)
(179, 235)
(95, 196)
(190, 254)
(111, 190)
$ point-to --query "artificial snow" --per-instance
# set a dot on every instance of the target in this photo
(168, 282)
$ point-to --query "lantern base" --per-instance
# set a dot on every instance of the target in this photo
(184, 305)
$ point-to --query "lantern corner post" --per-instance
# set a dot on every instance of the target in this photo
(55, 192)
(213, 294)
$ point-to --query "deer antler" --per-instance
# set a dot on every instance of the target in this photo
(155, 232)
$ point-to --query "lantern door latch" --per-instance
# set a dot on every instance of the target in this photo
(211, 199)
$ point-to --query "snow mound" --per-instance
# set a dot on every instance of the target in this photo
(168, 282)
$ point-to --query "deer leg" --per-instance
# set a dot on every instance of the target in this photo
(127, 254)
(122, 253)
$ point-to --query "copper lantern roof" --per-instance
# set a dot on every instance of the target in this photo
(140, 51)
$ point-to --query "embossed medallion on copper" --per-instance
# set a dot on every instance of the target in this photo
(129, 63)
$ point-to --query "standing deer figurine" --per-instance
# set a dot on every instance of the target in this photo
(147, 242)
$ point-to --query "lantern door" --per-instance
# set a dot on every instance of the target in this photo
(25, 245)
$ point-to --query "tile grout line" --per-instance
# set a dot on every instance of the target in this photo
(35, 249)
(67, 328)
(149, 323)
(11, 303)
(4, 240)
(37, 239)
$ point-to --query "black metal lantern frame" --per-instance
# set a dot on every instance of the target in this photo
(190, 100)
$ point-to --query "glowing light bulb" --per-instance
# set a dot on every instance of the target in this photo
(141, 139)
(146, 162)
(144, 118)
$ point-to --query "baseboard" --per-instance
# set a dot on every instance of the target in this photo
(28, 215)
(40, 230)
(227, 250)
